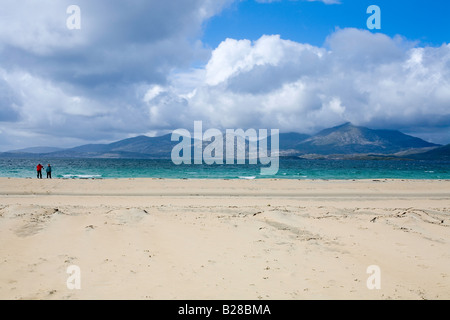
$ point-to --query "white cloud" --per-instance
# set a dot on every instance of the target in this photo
(368, 79)
(128, 71)
(234, 57)
(327, 1)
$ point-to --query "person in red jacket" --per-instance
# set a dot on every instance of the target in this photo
(39, 168)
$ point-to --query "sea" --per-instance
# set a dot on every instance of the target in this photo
(289, 168)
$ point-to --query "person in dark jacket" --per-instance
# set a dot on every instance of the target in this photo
(49, 171)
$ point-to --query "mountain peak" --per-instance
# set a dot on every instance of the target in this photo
(348, 138)
(345, 125)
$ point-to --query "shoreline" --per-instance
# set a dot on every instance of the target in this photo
(230, 179)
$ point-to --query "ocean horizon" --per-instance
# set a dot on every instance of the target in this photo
(290, 168)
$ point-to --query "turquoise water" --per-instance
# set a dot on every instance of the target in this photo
(289, 169)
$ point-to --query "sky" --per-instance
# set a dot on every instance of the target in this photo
(146, 67)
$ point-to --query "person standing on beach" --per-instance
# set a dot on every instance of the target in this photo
(49, 171)
(39, 168)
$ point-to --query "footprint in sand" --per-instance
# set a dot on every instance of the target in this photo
(128, 215)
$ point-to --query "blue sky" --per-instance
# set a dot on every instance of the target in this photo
(312, 21)
(151, 66)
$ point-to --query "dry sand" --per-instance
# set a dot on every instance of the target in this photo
(224, 239)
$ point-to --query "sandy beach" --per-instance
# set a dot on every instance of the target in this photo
(224, 239)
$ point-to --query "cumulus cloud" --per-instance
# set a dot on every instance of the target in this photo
(128, 72)
(87, 84)
(123, 41)
(358, 76)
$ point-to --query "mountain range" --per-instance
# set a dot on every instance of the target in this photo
(346, 141)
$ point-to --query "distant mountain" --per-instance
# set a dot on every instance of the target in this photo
(339, 142)
(350, 139)
(289, 141)
(136, 148)
(36, 150)
(441, 153)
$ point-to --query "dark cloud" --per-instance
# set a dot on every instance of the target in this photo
(9, 103)
(128, 71)
(119, 42)
(89, 83)
(8, 114)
